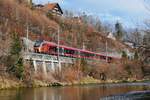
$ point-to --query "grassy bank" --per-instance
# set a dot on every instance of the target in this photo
(10, 84)
(90, 80)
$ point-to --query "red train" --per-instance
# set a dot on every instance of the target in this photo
(51, 48)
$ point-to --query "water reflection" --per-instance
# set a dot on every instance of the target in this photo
(90, 92)
(135, 95)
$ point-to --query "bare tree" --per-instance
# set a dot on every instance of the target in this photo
(135, 37)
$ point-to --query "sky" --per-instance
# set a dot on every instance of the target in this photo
(131, 13)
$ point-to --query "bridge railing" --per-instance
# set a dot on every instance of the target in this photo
(112, 54)
(45, 57)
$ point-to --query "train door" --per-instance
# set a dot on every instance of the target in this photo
(61, 51)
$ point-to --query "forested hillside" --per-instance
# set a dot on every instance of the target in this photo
(17, 18)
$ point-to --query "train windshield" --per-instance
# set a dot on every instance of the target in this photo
(38, 43)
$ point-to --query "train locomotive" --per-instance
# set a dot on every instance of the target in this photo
(51, 48)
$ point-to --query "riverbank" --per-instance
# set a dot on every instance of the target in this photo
(7, 83)
(90, 80)
(10, 83)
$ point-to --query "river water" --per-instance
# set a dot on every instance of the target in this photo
(84, 92)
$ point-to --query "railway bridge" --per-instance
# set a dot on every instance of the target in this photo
(51, 62)
(47, 62)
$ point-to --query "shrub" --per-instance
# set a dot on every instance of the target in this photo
(124, 54)
(136, 56)
(19, 69)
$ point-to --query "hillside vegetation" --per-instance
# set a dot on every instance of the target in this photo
(16, 17)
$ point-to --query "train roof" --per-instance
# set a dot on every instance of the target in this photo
(69, 47)
(52, 43)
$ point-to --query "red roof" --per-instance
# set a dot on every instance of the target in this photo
(51, 6)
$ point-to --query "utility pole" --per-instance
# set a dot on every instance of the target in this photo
(83, 47)
(27, 42)
(106, 51)
(58, 44)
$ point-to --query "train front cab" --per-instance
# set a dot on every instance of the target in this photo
(37, 46)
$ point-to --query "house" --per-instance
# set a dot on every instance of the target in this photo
(130, 54)
(53, 8)
(130, 44)
(50, 8)
(111, 36)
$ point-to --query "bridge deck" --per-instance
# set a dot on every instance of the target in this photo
(47, 58)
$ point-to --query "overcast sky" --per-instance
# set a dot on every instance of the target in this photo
(129, 12)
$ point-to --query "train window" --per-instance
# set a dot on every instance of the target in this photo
(69, 51)
(103, 57)
(81, 54)
(78, 52)
(55, 49)
(109, 58)
(61, 50)
(66, 51)
(72, 51)
(86, 54)
(38, 43)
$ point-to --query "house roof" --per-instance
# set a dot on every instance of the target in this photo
(51, 6)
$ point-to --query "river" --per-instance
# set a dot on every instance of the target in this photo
(84, 92)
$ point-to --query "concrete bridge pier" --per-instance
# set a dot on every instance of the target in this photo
(52, 66)
(59, 65)
(44, 68)
(43, 61)
(35, 66)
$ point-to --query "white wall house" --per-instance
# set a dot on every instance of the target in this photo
(111, 36)
(130, 55)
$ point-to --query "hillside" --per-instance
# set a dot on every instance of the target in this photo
(16, 18)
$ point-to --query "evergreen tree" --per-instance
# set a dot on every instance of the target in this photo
(15, 46)
(119, 31)
(17, 66)
(19, 69)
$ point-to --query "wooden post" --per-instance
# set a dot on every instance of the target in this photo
(106, 51)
